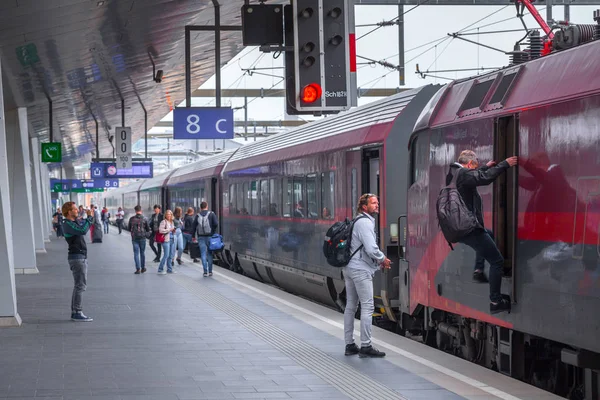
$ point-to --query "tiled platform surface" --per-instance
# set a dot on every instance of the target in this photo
(179, 337)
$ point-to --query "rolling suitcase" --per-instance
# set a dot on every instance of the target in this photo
(194, 250)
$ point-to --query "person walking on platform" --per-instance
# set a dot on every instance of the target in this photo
(105, 219)
(140, 229)
(120, 216)
(358, 276)
(469, 176)
(74, 233)
(167, 229)
(178, 243)
(96, 231)
(205, 225)
(57, 220)
(188, 233)
(155, 221)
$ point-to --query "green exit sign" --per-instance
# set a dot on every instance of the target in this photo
(57, 188)
(27, 54)
(51, 152)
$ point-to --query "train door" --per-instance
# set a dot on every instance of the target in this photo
(506, 144)
(370, 178)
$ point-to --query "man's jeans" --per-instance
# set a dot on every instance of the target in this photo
(105, 223)
(139, 253)
(359, 287)
(205, 253)
(120, 225)
(79, 268)
(486, 250)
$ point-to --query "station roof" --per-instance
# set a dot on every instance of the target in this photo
(87, 55)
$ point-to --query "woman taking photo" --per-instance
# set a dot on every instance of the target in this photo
(165, 235)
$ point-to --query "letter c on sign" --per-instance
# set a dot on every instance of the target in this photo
(217, 126)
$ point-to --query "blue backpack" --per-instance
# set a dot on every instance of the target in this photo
(216, 243)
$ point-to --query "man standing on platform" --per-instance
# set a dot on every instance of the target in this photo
(139, 228)
(74, 233)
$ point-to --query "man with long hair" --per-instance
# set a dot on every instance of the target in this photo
(358, 276)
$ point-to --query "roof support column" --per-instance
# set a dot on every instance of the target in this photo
(47, 205)
(45, 198)
(8, 294)
(36, 192)
(19, 173)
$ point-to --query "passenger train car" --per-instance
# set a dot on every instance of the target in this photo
(276, 198)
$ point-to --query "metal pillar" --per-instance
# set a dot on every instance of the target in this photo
(401, 43)
(8, 293)
(549, 12)
(567, 12)
(246, 118)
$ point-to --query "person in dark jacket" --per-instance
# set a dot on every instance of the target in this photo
(188, 230)
(205, 225)
(139, 228)
(155, 221)
(471, 175)
(74, 233)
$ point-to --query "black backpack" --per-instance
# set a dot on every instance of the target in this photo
(455, 219)
(137, 228)
(336, 246)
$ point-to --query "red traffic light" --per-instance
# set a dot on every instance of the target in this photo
(311, 93)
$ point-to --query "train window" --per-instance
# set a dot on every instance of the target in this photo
(246, 209)
(240, 198)
(254, 198)
(476, 95)
(505, 83)
(299, 201)
(354, 189)
(419, 157)
(231, 199)
(264, 197)
(287, 197)
(275, 196)
(311, 196)
(327, 194)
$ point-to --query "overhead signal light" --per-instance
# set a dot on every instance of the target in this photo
(311, 93)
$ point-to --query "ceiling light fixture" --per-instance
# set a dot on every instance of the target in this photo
(100, 3)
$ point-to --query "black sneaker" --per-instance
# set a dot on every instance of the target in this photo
(179, 261)
(479, 277)
(137, 272)
(351, 349)
(143, 270)
(370, 351)
(157, 259)
(501, 306)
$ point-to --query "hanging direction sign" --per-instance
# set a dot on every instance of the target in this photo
(123, 150)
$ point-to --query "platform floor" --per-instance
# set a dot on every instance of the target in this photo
(225, 337)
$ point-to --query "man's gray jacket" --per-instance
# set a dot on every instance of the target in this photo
(369, 257)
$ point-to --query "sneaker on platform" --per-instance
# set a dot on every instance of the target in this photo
(80, 317)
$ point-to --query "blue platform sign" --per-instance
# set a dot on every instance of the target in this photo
(97, 170)
(138, 170)
(203, 123)
(76, 184)
(106, 183)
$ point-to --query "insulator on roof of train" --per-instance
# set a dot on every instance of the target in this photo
(535, 45)
(573, 35)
